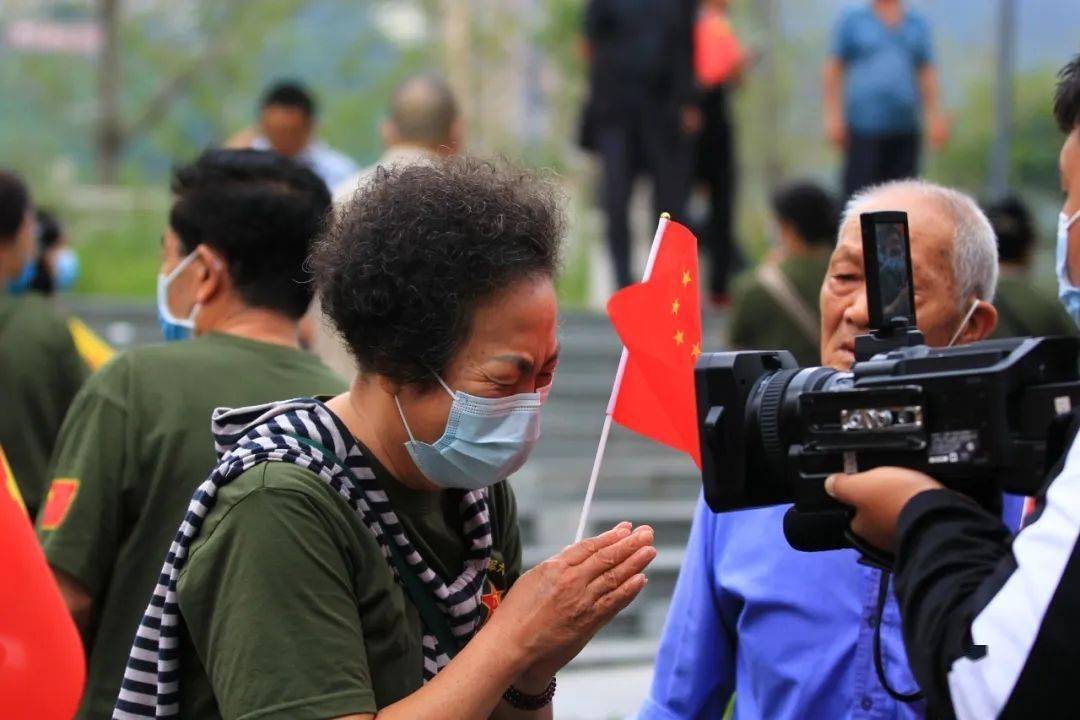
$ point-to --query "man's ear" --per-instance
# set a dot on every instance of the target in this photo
(981, 325)
(214, 275)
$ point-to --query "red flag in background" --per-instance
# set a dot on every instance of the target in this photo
(659, 323)
(42, 664)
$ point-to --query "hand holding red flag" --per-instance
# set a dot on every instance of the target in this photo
(659, 323)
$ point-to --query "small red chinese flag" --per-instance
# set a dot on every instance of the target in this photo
(659, 323)
(42, 663)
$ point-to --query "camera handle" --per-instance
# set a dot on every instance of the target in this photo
(871, 556)
(898, 334)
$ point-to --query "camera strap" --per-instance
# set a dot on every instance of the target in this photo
(883, 561)
(879, 663)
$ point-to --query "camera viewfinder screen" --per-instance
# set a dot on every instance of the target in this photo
(893, 280)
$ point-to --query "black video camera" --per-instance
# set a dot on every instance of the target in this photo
(981, 419)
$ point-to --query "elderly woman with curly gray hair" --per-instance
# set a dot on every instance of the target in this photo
(359, 556)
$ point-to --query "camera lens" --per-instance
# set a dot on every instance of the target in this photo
(772, 412)
(769, 420)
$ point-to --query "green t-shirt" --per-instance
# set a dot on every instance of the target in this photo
(1026, 309)
(290, 609)
(759, 322)
(40, 372)
(131, 452)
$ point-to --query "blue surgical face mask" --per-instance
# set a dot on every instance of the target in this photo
(65, 269)
(22, 283)
(172, 327)
(1067, 292)
(486, 439)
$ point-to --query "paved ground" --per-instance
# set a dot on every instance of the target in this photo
(601, 693)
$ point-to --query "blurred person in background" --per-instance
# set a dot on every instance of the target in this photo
(881, 92)
(1024, 307)
(775, 306)
(40, 368)
(57, 266)
(55, 271)
(424, 124)
(361, 554)
(641, 114)
(135, 442)
(790, 633)
(287, 125)
(719, 62)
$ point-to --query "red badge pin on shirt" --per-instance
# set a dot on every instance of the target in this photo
(62, 493)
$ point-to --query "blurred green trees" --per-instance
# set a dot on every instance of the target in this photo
(190, 75)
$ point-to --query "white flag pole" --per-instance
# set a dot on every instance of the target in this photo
(599, 459)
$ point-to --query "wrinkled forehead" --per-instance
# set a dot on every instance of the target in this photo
(929, 223)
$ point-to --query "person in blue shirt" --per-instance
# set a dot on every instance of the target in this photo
(881, 91)
(788, 633)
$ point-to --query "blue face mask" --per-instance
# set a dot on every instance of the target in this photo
(65, 269)
(1069, 293)
(172, 327)
(22, 283)
(486, 439)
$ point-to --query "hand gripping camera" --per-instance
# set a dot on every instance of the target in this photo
(982, 418)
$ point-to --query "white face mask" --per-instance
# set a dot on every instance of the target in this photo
(964, 322)
(172, 327)
(1068, 293)
(486, 439)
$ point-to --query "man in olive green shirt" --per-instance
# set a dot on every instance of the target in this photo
(1024, 306)
(775, 306)
(137, 441)
(40, 369)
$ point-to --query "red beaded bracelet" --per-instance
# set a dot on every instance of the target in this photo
(521, 701)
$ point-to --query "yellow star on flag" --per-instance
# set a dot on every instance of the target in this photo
(695, 351)
(678, 337)
(675, 307)
(685, 278)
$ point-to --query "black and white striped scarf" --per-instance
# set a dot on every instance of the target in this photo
(244, 438)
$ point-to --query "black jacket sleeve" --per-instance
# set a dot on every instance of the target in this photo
(991, 623)
(948, 546)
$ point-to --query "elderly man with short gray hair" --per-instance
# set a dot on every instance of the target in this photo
(954, 263)
(791, 634)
